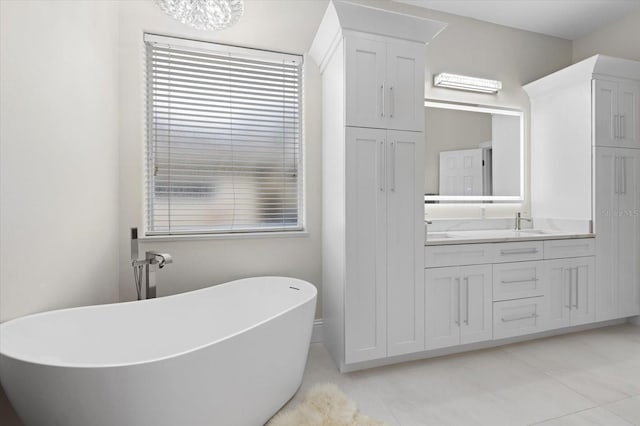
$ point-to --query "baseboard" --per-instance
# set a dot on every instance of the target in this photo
(635, 320)
(316, 334)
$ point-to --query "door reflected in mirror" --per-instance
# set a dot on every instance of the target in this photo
(472, 153)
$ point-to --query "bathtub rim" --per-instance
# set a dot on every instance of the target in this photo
(173, 355)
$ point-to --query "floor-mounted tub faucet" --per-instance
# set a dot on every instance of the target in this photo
(152, 259)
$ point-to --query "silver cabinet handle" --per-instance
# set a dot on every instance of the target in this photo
(623, 131)
(392, 102)
(381, 166)
(519, 251)
(466, 298)
(459, 308)
(520, 318)
(616, 172)
(623, 175)
(382, 99)
(616, 126)
(392, 166)
(570, 287)
(577, 287)
(519, 281)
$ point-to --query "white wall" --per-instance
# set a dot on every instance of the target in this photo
(275, 25)
(621, 39)
(58, 155)
(505, 154)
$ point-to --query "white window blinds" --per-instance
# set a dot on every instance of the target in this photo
(224, 150)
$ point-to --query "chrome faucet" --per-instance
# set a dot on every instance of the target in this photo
(152, 259)
(519, 219)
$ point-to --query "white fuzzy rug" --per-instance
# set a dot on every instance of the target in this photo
(324, 405)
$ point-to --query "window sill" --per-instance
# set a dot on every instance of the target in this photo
(230, 236)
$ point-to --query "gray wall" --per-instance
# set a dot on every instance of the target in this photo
(621, 39)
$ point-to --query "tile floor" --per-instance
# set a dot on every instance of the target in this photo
(587, 378)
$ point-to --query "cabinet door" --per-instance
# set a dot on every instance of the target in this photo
(605, 94)
(629, 100)
(628, 233)
(365, 68)
(476, 304)
(558, 299)
(366, 217)
(606, 229)
(442, 302)
(405, 85)
(405, 244)
(582, 278)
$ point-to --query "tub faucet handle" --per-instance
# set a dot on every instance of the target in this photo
(161, 259)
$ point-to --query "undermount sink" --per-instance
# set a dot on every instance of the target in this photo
(533, 231)
(484, 234)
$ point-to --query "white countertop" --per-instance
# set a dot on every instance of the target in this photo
(498, 235)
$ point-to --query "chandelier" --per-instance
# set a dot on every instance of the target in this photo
(204, 14)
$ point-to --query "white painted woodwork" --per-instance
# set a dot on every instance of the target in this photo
(461, 172)
(458, 305)
(405, 85)
(384, 83)
(365, 69)
(458, 254)
(405, 268)
(578, 247)
(571, 291)
(518, 251)
(616, 108)
(366, 212)
(617, 218)
(518, 280)
(518, 317)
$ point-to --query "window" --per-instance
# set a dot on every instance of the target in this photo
(223, 149)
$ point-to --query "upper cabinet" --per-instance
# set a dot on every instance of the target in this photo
(384, 83)
(616, 107)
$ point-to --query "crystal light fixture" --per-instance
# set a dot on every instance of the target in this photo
(204, 14)
(463, 82)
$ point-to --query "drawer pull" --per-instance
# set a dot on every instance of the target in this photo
(519, 251)
(519, 281)
(520, 318)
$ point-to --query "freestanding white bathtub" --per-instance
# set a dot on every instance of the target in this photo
(231, 355)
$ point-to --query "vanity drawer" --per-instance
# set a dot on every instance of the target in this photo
(457, 254)
(518, 317)
(577, 247)
(517, 280)
(518, 251)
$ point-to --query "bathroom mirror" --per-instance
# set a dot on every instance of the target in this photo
(473, 153)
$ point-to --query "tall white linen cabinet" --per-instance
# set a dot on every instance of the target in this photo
(373, 75)
(585, 166)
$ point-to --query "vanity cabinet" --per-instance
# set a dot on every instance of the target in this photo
(384, 298)
(384, 82)
(458, 305)
(617, 217)
(570, 291)
(616, 108)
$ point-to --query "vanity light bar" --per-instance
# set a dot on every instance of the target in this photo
(463, 82)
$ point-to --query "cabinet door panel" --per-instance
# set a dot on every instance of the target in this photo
(405, 79)
(476, 304)
(442, 303)
(365, 64)
(606, 184)
(605, 112)
(365, 293)
(583, 311)
(517, 280)
(629, 99)
(628, 233)
(558, 297)
(405, 268)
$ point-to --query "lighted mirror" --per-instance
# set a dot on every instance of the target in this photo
(473, 154)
